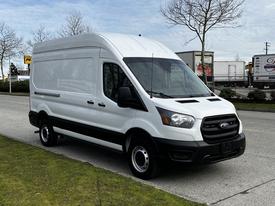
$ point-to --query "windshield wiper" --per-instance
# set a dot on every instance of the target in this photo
(159, 93)
(198, 95)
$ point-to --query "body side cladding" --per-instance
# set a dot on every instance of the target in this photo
(34, 118)
(91, 131)
(84, 129)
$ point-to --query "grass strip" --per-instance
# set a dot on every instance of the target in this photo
(255, 107)
(32, 176)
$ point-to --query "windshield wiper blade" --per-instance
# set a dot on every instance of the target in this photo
(160, 94)
(191, 96)
(197, 95)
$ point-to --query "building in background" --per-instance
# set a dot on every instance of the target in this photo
(193, 60)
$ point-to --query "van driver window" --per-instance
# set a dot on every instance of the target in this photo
(113, 79)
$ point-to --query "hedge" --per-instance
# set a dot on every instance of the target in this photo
(257, 95)
(272, 95)
(18, 86)
(227, 93)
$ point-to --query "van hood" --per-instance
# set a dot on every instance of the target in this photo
(197, 107)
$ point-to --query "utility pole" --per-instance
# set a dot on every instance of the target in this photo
(267, 44)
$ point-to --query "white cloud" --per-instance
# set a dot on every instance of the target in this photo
(271, 6)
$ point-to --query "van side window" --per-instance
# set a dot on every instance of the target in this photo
(113, 79)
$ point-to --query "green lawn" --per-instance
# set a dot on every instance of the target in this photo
(32, 176)
(255, 107)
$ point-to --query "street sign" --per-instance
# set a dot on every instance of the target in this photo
(27, 59)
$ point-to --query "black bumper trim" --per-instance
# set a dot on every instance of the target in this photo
(34, 118)
(88, 130)
(200, 151)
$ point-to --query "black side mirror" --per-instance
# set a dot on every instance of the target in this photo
(125, 97)
(129, 98)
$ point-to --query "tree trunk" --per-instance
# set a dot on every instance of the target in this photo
(204, 77)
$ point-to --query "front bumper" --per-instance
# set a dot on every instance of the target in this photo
(200, 151)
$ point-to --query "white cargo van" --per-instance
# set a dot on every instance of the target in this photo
(131, 94)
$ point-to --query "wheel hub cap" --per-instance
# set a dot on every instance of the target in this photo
(140, 159)
(45, 134)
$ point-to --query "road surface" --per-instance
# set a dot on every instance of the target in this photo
(247, 180)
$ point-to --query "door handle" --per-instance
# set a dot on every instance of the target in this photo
(90, 102)
(101, 104)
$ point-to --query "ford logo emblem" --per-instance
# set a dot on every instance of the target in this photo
(224, 125)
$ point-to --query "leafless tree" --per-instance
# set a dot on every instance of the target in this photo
(40, 35)
(200, 16)
(74, 25)
(10, 44)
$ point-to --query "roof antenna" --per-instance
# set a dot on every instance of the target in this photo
(152, 69)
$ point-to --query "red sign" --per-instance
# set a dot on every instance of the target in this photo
(208, 70)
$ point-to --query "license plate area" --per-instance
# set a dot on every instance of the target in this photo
(226, 147)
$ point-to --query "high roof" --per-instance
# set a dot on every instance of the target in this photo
(125, 45)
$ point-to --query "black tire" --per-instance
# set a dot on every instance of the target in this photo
(260, 86)
(142, 159)
(47, 135)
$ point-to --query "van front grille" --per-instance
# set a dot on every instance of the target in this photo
(220, 128)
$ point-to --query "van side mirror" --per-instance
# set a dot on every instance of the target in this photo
(127, 99)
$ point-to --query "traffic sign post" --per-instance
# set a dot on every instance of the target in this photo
(28, 61)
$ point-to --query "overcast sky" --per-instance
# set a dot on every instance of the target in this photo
(143, 17)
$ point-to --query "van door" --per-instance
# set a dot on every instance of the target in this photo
(110, 115)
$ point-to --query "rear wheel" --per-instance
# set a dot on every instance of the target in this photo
(47, 136)
(142, 159)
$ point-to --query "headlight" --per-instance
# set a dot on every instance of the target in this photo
(176, 119)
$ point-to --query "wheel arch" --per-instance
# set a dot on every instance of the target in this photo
(134, 133)
(42, 115)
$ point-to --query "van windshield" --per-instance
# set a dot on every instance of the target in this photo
(169, 78)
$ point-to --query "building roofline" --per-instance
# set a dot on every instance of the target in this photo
(193, 52)
(263, 55)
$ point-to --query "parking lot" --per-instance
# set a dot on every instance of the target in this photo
(247, 180)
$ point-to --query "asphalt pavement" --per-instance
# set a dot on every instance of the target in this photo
(246, 180)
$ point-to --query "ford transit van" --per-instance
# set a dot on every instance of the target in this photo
(131, 94)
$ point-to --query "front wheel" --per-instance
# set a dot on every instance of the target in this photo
(142, 159)
(47, 136)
